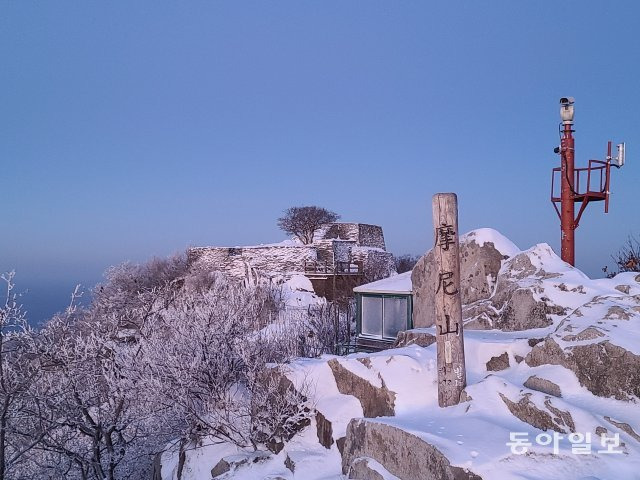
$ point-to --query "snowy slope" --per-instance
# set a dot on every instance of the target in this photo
(475, 434)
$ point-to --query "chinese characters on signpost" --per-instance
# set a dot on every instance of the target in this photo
(448, 304)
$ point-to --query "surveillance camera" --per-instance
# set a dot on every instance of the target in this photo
(566, 110)
(556, 150)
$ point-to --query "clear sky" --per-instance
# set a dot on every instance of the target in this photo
(134, 129)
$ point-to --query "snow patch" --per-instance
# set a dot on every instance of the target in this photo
(500, 242)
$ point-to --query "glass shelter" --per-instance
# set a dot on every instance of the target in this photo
(384, 308)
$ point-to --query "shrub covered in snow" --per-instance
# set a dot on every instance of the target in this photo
(160, 358)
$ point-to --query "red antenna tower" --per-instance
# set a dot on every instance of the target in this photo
(578, 185)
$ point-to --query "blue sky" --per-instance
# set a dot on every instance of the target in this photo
(134, 129)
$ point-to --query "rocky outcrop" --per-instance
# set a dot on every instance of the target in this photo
(340, 444)
(501, 362)
(550, 418)
(375, 401)
(521, 311)
(625, 427)
(543, 385)
(221, 468)
(603, 368)
(414, 337)
(589, 333)
(497, 291)
(233, 462)
(290, 464)
(361, 470)
(623, 288)
(598, 342)
(511, 309)
(479, 267)
(480, 315)
(402, 454)
(324, 430)
(518, 302)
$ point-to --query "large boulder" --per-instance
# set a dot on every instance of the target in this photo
(603, 368)
(500, 286)
(526, 293)
(519, 297)
(599, 343)
(232, 463)
(481, 255)
(519, 301)
(375, 401)
(520, 310)
(480, 262)
(543, 385)
(414, 337)
(401, 453)
(423, 279)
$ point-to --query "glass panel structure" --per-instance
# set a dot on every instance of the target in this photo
(395, 316)
(372, 316)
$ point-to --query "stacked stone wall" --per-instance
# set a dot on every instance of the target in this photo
(342, 231)
(370, 236)
(362, 234)
(239, 262)
(377, 264)
(335, 242)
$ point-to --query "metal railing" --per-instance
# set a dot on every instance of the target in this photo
(590, 184)
(591, 180)
(330, 268)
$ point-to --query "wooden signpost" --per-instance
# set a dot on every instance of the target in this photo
(452, 377)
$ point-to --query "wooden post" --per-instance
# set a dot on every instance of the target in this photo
(452, 377)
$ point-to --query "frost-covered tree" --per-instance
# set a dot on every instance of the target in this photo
(405, 263)
(628, 257)
(197, 367)
(134, 288)
(207, 363)
(161, 358)
(303, 222)
(18, 433)
(99, 424)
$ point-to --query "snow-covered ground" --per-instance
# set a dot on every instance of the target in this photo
(585, 437)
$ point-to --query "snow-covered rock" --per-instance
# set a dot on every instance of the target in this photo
(415, 336)
(519, 301)
(482, 252)
(298, 293)
(398, 451)
(508, 289)
(600, 342)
